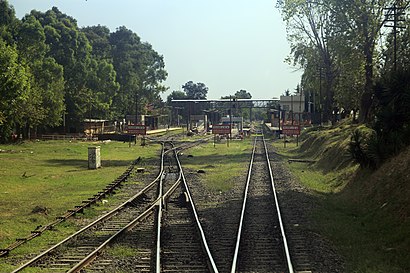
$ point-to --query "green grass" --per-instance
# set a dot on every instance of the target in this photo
(314, 179)
(222, 164)
(371, 240)
(122, 251)
(54, 175)
(356, 211)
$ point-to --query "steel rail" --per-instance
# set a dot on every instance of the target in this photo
(282, 229)
(97, 221)
(211, 260)
(94, 254)
(239, 234)
(159, 217)
(286, 249)
(98, 250)
(158, 203)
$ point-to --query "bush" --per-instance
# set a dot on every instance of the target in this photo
(363, 147)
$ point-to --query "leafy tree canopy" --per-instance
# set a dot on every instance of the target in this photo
(195, 91)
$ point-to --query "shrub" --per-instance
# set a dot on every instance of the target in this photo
(363, 147)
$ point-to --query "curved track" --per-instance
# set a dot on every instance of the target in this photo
(161, 225)
(154, 212)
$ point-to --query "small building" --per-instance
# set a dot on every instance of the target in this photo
(293, 107)
(95, 126)
(293, 103)
(236, 121)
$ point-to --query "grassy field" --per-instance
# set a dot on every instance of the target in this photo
(220, 163)
(363, 212)
(54, 176)
(358, 208)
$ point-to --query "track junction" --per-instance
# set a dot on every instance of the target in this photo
(163, 224)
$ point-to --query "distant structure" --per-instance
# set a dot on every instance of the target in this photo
(292, 110)
(293, 103)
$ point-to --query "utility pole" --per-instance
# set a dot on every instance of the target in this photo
(320, 95)
(136, 108)
(394, 15)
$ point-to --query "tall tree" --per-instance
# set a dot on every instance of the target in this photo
(310, 30)
(140, 71)
(363, 20)
(8, 22)
(195, 91)
(102, 80)
(45, 104)
(152, 75)
(14, 84)
(71, 49)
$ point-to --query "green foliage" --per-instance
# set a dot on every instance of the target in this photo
(391, 129)
(31, 39)
(334, 42)
(14, 87)
(195, 91)
(45, 104)
(243, 94)
(51, 68)
(393, 121)
(140, 71)
(176, 95)
(361, 147)
(99, 36)
(8, 22)
(49, 81)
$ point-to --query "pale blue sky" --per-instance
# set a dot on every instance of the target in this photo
(226, 44)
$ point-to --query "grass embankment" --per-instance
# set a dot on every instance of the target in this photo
(54, 176)
(363, 212)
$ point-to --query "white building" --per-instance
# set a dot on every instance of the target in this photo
(293, 103)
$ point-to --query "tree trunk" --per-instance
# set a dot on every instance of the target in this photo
(328, 107)
(366, 100)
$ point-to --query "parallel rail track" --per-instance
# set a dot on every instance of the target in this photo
(181, 243)
(261, 244)
(162, 223)
(81, 249)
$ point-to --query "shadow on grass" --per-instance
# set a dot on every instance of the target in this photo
(207, 159)
(83, 164)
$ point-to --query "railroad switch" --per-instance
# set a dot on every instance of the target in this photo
(183, 199)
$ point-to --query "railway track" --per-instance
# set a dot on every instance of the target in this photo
(73, 253)
(138, 217)
(79, 249)
(261, 244)
(162, 227)
(179, 246)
